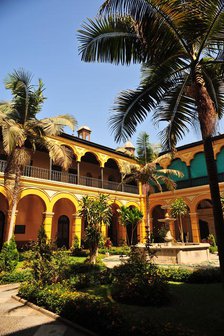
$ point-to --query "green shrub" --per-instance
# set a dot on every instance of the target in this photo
(138, 282)
(121, 250)
(205, 275)
(213, 249)
(95, 313)
(177, 274)
(9, 256)
(85, 268)
(15, 277)
(91, 279)
(103, 316)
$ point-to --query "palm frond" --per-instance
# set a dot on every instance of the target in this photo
(179, 110)
(170, 14)
(55, 125)
(112, 40)
(214, 19)
(60, 155)
(214, 83)
(13, 136)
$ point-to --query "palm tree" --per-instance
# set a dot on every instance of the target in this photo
(21, 130)
(144, 148)
(153, 178)
(180, 44)
(130, 218)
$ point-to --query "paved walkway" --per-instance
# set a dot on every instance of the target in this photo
(17, 319)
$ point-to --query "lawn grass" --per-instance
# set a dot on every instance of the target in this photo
(194, 306)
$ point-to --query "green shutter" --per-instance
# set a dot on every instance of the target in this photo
(177, 164)
(220, 161)
(198, 166)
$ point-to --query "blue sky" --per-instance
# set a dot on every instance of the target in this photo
(41, 37)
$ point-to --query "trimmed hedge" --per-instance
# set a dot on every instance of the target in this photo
(95, 313)
(87, 310)
(199, 275)
(16, 276)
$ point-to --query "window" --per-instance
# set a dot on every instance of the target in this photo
(20, 229)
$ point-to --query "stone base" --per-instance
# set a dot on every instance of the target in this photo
(180, 254)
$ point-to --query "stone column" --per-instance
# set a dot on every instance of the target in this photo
(195, 227)
(78, 227)
(78, 172)
(72, 230)
(48, 223)
(101, 174)
(122, 182)
(104, 231)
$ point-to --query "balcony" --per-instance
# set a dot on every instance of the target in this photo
(195, 182)
(53, 175)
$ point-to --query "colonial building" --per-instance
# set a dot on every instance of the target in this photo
(51, 196)
(193, 188)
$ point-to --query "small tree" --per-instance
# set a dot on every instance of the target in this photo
(9, 256)
(96, 211)
(42, 256)
(178, 210)
(130, 217)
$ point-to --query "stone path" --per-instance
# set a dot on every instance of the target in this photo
(17, 319)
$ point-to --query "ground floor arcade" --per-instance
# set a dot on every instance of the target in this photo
(60, 215)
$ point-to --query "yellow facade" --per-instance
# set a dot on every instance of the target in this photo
(51, 196)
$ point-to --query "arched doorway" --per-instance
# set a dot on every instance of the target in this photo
(63, 222)
(2, 228)
(205, 218)
(63, 231)
(204, 230)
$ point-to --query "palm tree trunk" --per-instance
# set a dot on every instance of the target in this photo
(15, 198)
(207, 118)
(181, 229)
(216, 201)
(147, 219)
(93, 254)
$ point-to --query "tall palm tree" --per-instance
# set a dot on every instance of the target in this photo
(144, 148)
(180, 44)
(21, 130)
(152, 177)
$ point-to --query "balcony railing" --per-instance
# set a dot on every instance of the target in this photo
(46, 174)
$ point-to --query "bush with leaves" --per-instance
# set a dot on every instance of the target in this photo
(103, 316)
(176, 274)
(48, 264)
(178, 210)
(137, 282)
(15, 276)
(95, 212)
(9, 256)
